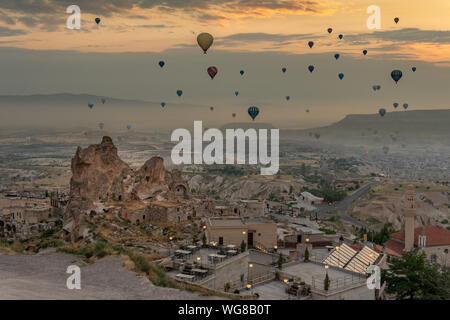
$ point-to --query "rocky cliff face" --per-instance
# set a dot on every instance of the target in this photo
(99, 175)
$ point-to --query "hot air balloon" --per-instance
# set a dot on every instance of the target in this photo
(161, 63)
(307, 110)
(242, 72)
(341, 76)
(179, 93)
(212, 71)
(396, 75)
(382, 112)
(129, 126)
(336, 56)
(101, 125)
(364, 52)
(253, 112)
(414, 69)
(90, 105)
(311, 68)
(385, 149)
(340, 36)
(288, 98)
(330, 30)
(163, 104)
(374, 88)
(317, 135)
(103, 100)
(284, 70)
(405, 106)
(97, 20)
(396, 20)
(310, 44)
(233, 115)
(378, 87)
(205, 40)
(395, 105)
(236, 93)
(211, 108)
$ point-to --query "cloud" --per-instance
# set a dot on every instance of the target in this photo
(7, 32)
(43, 12)
(410, 35)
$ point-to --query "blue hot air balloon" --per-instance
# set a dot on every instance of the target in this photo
(336, 56)
(330, 30)
(310, 44)
(378, 87)
(179, 93)
(236, 93)
(161, 63)
(340, 36)
(90, 105)
(242, 72)
(341, 76)
(163, 104)
(311, 68)
(288, 98)
(405, 106)
(284, 70)
(382, 112)
(307, 110)
(395, 105)
(396, 75)
(414, 69)
(97, 20)
(253, 112)
(129, 126)
(364, 52)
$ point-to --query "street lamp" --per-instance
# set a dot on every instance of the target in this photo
(248, 271)
(170, 246)
(287, 290)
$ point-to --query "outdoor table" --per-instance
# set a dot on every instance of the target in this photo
(185, 276)
(232, 252)
(231, 246)
(183, 252)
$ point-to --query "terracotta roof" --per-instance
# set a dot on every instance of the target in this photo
(436, 236)
(394, 248)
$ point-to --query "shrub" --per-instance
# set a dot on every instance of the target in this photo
(236, 291)
(243, 246)
(306, 254)
(326, 282)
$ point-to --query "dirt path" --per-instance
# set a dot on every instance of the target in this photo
(44, 277)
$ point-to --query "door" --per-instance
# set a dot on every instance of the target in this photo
(250, 240)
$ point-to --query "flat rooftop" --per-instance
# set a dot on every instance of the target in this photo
(217, 222)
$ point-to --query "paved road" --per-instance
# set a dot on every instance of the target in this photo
(342, 206)
(323, 211)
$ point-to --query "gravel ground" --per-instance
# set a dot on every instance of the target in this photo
(44, 276)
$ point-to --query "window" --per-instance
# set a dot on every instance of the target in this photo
(433, 258)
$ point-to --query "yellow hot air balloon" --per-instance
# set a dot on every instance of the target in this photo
(205, 40)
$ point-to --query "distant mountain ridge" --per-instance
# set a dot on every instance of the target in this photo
(415, 122)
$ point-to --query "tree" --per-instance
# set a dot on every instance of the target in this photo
(306, 254)
(280, 261)
(326, 282)
(243, 246)
(414, 277)
(204, 239)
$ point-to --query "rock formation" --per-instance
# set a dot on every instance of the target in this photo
(100, 176)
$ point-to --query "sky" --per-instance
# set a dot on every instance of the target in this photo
(119, 57)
